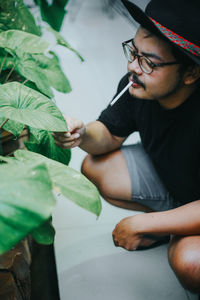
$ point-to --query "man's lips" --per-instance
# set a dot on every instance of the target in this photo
(135, 85)
(136, 82)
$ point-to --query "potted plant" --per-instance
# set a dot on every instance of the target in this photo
(28, 71)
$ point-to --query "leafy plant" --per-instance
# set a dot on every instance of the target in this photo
(37, 174)
(67, 181)
(28, 72)
(26, 106)
(27, 202)
(15, 15)
(25, 55)
(41, 141)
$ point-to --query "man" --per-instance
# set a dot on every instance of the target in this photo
(161, 175)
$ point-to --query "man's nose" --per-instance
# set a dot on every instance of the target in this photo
(134, 67)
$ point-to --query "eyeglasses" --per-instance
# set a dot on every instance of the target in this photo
(146, 65)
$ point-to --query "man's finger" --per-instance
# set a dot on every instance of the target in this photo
(64, 139)
(65, 133)
(65, 145)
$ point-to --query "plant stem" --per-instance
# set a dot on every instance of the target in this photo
(4, 122)
(9, 73)
(25, 81)
(1, 67)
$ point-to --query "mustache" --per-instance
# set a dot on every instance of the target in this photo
(136, 79)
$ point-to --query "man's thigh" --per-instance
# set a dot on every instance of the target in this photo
(128, 175)
(110, 174)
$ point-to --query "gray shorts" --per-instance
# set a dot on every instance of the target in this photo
(147, 188)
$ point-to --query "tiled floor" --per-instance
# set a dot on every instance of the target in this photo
(89, 266)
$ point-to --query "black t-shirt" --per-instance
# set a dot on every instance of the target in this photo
(170, 137)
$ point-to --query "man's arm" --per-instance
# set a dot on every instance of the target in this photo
(184, 220)
(98, 140)
(93, 138)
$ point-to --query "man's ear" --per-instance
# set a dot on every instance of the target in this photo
(192, 75)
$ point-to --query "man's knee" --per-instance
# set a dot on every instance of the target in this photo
(98, 169)
(92, 168)
(86, 167)
(184, 258)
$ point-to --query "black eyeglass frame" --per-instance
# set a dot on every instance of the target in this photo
(138, 56)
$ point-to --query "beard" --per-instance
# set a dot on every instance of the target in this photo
(173, 90)
(156, 94)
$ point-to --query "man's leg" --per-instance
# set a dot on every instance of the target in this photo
(184, 258)
(117, 183)
(110, 174)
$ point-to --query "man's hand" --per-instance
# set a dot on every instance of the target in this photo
(71, 138)
(126, 235)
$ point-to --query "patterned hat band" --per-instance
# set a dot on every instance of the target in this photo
(177, 39)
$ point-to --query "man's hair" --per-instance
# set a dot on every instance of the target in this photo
(184, 60)
(186, 63)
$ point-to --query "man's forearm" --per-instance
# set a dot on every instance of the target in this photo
(98, 140)
(184, 220)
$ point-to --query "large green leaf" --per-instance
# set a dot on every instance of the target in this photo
(50, 67)
(15, 15)
(26, 106)
(67, 181)
(42, 142)
(26, 201)
(9, 159)
(44, 234)
(18, 42)
(61, 41)
(53, 13)
(30, 70)
(44, 71)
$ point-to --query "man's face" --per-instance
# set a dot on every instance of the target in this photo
(163, 82)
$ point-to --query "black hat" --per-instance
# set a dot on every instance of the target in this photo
(176, 20)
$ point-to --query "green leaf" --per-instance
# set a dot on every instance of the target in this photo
(9, 159)
(15, 15)
(42, 142)
(67, 181)
(50, 67)
(26, 106)
(26, 201)
(18, 42)
(44, 234)
(13, 127)
(31, 85)
(61, 41)
(53, 14)
(44, 72)
(30, 70)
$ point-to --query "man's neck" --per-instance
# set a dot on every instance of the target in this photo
(177, 98)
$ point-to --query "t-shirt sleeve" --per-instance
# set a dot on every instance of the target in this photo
(119, 118)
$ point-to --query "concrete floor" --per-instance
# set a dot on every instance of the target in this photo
(89, 266)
